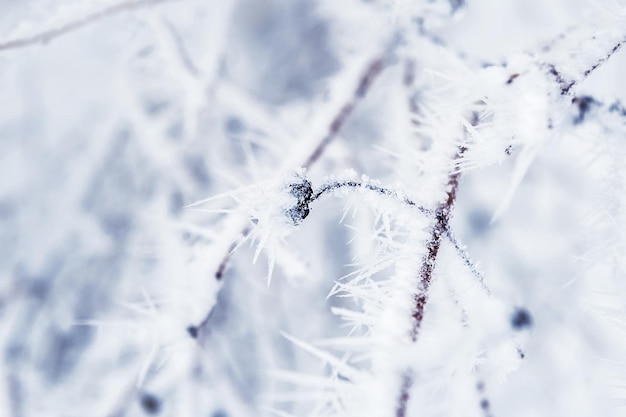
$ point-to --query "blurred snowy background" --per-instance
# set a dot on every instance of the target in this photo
(116, 301)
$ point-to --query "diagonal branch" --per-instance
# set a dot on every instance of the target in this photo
(50, 34)
(371, 73)
(420, 298)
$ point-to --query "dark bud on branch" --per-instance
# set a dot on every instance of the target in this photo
(303, 192)
(193, 331)
(521, 319)
(150, 403)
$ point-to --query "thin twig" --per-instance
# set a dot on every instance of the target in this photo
(564, 82)
(371, 73)
(186, 59)
(335, 185)
(442, 218)
(466, 260)
(50, 34)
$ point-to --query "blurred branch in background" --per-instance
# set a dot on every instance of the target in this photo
(45, 36)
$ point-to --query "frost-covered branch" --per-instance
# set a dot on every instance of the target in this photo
(420, 297)
(573, 56)
(460, 250)
(338, 185)
(364, 83)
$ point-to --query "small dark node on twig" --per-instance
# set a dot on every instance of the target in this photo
(521, 353)
(491, 64)
(618, 108)
(219, 274)
(583, 103)
(150, 403)
(342, 377)
(193, 331)
(521, 319)
(484, 404)
(512, 78)
(456, 5)
(508, 150)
